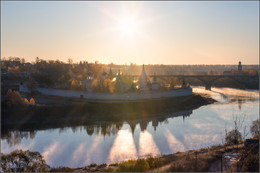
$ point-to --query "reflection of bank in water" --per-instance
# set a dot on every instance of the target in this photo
(14, 137)
(156, 120)
(48, 117)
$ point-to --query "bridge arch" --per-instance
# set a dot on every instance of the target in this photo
(209, 80)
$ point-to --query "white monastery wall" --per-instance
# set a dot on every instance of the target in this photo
(114, 96)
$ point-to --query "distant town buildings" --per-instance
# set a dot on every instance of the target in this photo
(239, 70)
(119, 86)
(143, 84)
(90, 76)
(155, 84)
(227, 73)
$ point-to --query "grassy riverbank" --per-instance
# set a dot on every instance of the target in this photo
(227, 158)
(201, 160)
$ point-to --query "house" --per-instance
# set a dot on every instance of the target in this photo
(155, 84)
(227, 73)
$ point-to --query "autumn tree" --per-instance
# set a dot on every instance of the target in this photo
(95, 86)
(14, 98)
(75, 85)
(108, 85)
(26, 101)
(32, 101)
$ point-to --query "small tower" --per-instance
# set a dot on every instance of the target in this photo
(239, 69)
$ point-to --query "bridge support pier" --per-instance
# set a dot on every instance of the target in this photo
(208, 87)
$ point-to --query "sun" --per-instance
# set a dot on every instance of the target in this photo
(127, 25)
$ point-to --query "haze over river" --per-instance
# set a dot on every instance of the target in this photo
(166, 134)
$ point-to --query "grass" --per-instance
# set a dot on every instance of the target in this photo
(189, 161)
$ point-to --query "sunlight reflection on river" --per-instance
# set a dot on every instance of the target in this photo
(83, 145)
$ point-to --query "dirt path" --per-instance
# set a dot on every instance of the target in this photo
(163, 168)
(228, 159)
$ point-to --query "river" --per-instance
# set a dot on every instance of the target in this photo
(166, 134)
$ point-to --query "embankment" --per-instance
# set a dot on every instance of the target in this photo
(84, 113)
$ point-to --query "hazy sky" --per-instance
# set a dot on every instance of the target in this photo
(140, 32)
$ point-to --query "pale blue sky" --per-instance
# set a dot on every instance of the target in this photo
(163, 33)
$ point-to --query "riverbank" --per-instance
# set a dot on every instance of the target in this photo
(242, 157)
(213, 159)
(81, 112)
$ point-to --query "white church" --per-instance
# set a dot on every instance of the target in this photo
(144, 84)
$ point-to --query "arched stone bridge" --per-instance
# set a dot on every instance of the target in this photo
(208, 80)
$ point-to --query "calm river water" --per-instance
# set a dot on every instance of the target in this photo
(107, 143)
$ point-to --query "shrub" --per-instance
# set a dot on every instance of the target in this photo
(62, 169)
(102, 165)
(113, 164)
(141, 165)
(254, 128)
(23, 161)
(93, 165)
(153, 162)
(32, 102)
(233, 137)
